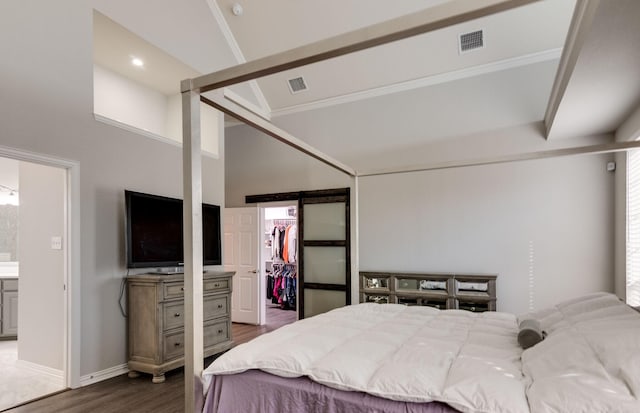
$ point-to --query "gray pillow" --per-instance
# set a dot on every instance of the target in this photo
(529, 333)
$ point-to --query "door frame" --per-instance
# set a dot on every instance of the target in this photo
(71, 247)
(299, 196)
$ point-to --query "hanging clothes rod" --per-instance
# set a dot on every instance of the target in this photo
(283, 264)
(285, 221)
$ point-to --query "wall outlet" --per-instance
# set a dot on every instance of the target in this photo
(56, 243)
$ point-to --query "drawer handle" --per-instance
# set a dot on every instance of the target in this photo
(219, 305)
(220, 331)
(181, 288)
(176, 315)
(177, 344)
(216, 285)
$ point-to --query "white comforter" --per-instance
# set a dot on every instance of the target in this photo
(471, 361)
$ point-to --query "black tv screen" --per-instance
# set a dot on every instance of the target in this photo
(154, 231)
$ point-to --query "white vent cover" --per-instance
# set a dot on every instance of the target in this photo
(297, 85)
(471, 41)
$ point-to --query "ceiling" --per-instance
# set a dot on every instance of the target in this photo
(266, 28)
(408, 94)
(114, 47)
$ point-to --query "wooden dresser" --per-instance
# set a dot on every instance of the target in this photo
(473, 292)
(8, 308)
(156, 320)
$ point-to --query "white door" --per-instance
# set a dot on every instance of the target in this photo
(241, 256)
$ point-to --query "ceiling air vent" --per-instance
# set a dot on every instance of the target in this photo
(297, 85)
(471, 41)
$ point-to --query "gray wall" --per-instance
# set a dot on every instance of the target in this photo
(46, 107)
(545, 227)
(41, 288)
(262, 165)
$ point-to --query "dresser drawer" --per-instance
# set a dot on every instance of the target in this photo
(213, 307)
(173, 290)
(176, 289)
(216, 333)
(10, 285)
(210, 286)
(173, 345)
(173, 315)
(216, 306)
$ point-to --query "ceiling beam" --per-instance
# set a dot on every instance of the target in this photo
(581, 21)
(630, 128)
(430, 19)
(218, 101)
(529, 156)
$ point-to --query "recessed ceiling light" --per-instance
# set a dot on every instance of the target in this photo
(137, 62)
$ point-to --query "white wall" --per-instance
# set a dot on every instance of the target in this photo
(210, 124)
(46, 106)
(126, 101)
(545, 227)
(130, 103)
(41, 285)
(262, 165)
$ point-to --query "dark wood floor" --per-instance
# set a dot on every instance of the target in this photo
(276, 318)
(122, 394)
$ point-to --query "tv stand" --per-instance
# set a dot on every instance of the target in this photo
(156, 320)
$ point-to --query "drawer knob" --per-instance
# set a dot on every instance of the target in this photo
(216, 285)
(219, 305)
(220, 331)
(176, 315)
(177, 344)
(181, 288)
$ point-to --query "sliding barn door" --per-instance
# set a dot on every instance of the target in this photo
(324, 251)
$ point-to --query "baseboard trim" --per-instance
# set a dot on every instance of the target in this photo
(103, 375)
(55, 374)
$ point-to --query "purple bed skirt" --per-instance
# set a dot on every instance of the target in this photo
(260, 392)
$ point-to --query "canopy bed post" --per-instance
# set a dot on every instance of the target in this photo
(192, 216)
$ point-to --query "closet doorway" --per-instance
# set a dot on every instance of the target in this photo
(323, 255)
(279, 264)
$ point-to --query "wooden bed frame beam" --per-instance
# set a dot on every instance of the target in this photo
(433, 18)
(448, 14)
(518, 157)
(581, 22)
(192, 218)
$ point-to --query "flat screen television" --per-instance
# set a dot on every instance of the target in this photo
(154, 231)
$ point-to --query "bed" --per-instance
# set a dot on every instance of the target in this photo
(395, 358)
